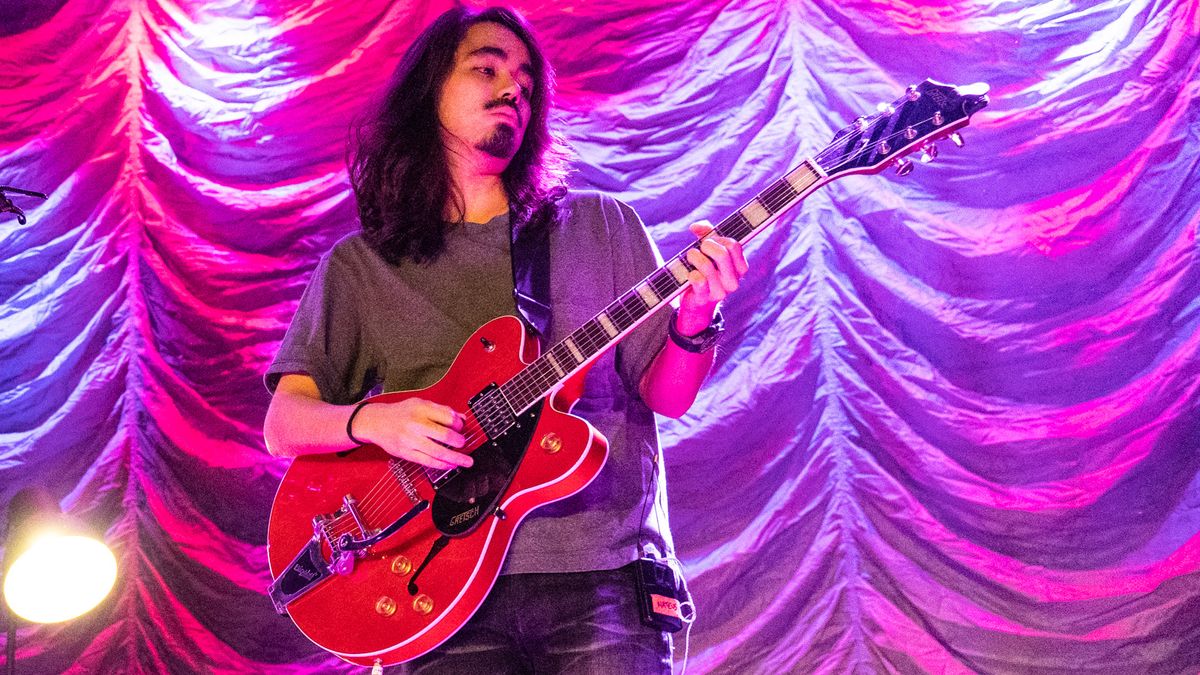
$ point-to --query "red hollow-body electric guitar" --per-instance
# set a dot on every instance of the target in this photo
(379, 560)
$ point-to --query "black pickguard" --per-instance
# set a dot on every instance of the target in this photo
(467, 496)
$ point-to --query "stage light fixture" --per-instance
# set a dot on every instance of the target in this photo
(53, 571)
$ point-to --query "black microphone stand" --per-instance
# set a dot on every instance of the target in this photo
(6, 205)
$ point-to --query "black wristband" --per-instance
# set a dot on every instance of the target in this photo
(350, 422)
(700, 342)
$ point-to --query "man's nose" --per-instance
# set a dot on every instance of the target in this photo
(507, 87)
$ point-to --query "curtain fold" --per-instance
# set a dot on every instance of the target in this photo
(953, 426)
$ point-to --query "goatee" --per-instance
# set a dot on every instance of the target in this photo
(500, 143)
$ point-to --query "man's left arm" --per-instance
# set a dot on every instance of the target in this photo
(670, 383)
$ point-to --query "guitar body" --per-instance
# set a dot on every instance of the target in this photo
(376, 560)
(381, 609)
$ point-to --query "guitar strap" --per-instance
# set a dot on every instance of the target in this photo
(530, 249)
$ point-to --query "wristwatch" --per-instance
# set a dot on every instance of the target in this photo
(702, 341)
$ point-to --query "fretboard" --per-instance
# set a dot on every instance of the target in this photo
(614, 322)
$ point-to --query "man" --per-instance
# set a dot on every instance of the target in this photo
(458, 157)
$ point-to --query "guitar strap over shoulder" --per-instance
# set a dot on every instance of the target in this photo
(530, 250)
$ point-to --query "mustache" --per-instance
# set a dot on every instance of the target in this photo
(504, 101)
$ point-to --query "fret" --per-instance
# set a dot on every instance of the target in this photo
(782, 193)
(563, 356)
(664, 283)
(541, 374)
(587, 339)
(735, 227)
(619, 316)
(632, 305)
(777, 197)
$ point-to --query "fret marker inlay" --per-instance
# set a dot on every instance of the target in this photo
(755, 213)
(554, 364)
(799, 180)
(607, 325)
(678, 270)
(570, 344)
(648, 295)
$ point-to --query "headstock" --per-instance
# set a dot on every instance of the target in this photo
(925, 113)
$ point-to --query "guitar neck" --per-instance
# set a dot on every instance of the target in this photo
(619, 318)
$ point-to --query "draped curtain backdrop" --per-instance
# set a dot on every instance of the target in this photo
(953, 427)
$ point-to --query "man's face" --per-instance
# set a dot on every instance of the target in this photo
(484, 103)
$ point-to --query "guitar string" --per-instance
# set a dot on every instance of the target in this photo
(589, 338)
(387, 492)
(775, 207)
(368, 507)
(371, 506)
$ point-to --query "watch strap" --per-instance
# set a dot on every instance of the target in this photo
(702, 341)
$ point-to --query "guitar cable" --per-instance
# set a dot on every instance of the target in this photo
(687, 607)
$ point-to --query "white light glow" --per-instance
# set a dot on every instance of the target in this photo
(59, 577)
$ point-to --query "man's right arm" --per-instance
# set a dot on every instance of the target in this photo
(300, 423)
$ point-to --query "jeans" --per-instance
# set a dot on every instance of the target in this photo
(584, 622)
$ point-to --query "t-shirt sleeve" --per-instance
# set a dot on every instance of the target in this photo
(325, 339)
(634, 257)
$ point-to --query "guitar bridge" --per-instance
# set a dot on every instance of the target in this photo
(305, 571)
(309, 568)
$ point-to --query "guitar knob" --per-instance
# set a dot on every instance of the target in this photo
(928, 152)
(422, 604)
(903, 167)
(957, 139)
(385, 606)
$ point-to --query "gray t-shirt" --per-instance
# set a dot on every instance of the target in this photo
(364, 324)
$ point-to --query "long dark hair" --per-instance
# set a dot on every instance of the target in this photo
(399, 169)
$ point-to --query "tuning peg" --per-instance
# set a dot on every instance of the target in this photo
(886, 108)
(957, 139)
(912, 92)
(938, 119)
(928, 152)
(903, 167)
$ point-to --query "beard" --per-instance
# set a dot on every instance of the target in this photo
(501, 143)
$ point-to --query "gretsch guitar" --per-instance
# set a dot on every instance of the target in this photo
(379, 560)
